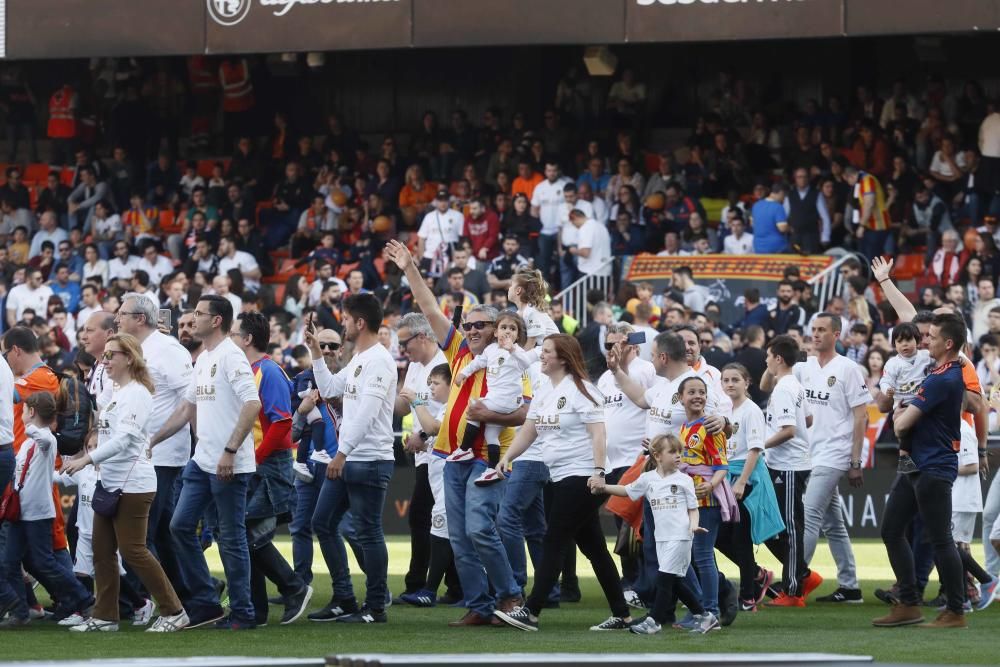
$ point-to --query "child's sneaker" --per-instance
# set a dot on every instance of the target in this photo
(705, 622)
(489, 476)
(646, 626)
(302, 472)
(461, 456)
(321, 456)
(144, 614)
(76, 618)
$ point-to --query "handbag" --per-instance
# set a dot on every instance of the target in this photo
(105, 502)
(10, 503)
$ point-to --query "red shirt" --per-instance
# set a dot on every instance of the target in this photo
(484, 232)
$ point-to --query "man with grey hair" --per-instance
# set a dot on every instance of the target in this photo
(95, 333)
(417, 342)
(170, 368)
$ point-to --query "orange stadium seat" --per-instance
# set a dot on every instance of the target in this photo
(169, 223)
(37, 172)
(908, 267)
(652, 163)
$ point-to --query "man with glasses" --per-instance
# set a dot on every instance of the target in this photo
(169, 366)
(49, 230)
(417, 342)
(480, 557)
(269, 496)
(222, 399)
(69, 259)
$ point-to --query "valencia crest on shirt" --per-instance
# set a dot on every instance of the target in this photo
(561, 403)
(215, 367)
(357, 371)
(830, 381)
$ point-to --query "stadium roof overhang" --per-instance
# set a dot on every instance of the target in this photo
(83, 28)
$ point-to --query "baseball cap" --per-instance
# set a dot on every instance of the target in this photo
(443, 194)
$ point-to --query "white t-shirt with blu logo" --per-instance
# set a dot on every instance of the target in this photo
(561, 415)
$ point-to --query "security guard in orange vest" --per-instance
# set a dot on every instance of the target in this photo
(62, 129)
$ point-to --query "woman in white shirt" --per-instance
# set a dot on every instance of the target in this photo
(566, 420)
(122, 444)
(93, 265)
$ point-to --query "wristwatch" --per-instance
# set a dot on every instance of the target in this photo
(230, 450)
(599, 472)
(856, 465)
(423, 435)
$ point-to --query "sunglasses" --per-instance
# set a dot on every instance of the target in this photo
(110, 354)
(329, 346)
(478, 326)
(609, 346)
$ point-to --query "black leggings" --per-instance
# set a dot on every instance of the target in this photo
(735, 543)
(931, 498)
(670, 588)
(443, 567)
(419, 517)
(575, 515)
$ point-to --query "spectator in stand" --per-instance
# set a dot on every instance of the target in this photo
(503, 267)
(416, 195)
(50, 231)
(593, 245)
(65, 289)
(482, 227)
(527, 179)
(696, 297)
(93, 265)
(871, 214)
(738, 241)
(232, 259)
(83, 200)
(787, 313)
(986, 304)
(291, 198)
(947, 261)
(153, 263)
(139, 221)
(677, 208)
(563, 322)
(665, 174)
(54, 197)
(520, 222)
(726, 166)
(31, 294)
(756, 313)
(601, 209)
(546, 203)
(928, 220)
(238, 205)
(71, 260)
(595, 176)
(808, 218)
(627, 236)
(14, 190)
(628, 202)
(626, 175)
(44, 261)
(770, 222)
(697, 230)
(947, 168)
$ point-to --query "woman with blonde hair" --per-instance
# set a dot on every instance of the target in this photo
(125, 493)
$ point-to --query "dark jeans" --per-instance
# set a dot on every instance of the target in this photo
(159, 539)
(546, 252)
(575, 516)
(419, 517)
(361, 488)
(931, 498)
(670, 588)
(300, 528)
(787, 546)
(30, 543)
(873, 243)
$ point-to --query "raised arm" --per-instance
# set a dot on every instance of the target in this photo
(635, 391)
(422, 294)
(904, 309)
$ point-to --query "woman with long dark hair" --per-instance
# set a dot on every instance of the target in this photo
(566, 420)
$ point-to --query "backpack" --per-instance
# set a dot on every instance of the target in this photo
(75, 413)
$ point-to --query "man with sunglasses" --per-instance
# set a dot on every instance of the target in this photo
(70, 260)
(480, 557)
(417, 342)
(169, 366)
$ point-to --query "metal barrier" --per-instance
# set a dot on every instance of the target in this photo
(574, 297)
(828, 283)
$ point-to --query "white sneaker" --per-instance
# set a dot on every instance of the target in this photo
(461, 456)
(73, 619)
(633, 600)
(36, 613)
(489, 476)
(645, 627)
(705, 622)
(302, 472)
(321, 456)
(170, 623)
(95, 625)
(144, 614)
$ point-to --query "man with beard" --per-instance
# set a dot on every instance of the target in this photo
(788, 312)
(186, 335)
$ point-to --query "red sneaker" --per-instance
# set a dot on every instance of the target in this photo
(784, 600)
(811, 583)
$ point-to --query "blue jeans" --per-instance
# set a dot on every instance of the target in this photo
(522, 517)
(300, 528)
(361, 488)
(158, 538)
(874, 243)
(703, 557)
(30, 542)
(480, 557)
(546, 251)
(230, 499)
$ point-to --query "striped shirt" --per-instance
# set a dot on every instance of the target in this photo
(702, 449)
(869, 185)
(457, 353)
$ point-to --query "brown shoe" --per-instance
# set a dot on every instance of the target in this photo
(947, 619)
(899, 615)
(507, 605)
(471, 618)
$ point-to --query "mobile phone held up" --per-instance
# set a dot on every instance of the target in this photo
(163, 318)
(636, 338)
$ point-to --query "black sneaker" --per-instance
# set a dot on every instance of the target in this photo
(449, 598)
(296, 605)
(276, 600)
(569, 594)
(202, 617)
(729, 605)
(939, 601)
(230, 623)
(889, 596)
(518, 617)
(365, 615)
(612, 623)
(334, 610)
(220, 587)
(843, 595)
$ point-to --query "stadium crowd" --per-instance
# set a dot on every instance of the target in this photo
(211, 348)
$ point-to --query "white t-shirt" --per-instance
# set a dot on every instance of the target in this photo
(169, 365)
(119, 270)
(561, 415)
(537, 324)
(713, 377)
(23, 297)
(220, 386)
(242, 262)
(109, 226)
(832, 393)
(36, 494)
(122, 441)
(85, 482)
(670, 498)
(548, 198)
(787, 407)
(905, 375)
(6, 404)
(595, 236)
(504, 374)
(666, 414)
(569, 234)
(156, 271)
(626, 421)
(100, 386)
(316, 289)
(416, 379)
(440, 229)
(748, 431)
(368, 385)
(967, 491)
(738, 246)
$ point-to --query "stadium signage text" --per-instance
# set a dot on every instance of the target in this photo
(645, 3)
(231, 12)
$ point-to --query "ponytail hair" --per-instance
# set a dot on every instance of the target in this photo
(667, 442)
(535, 288)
